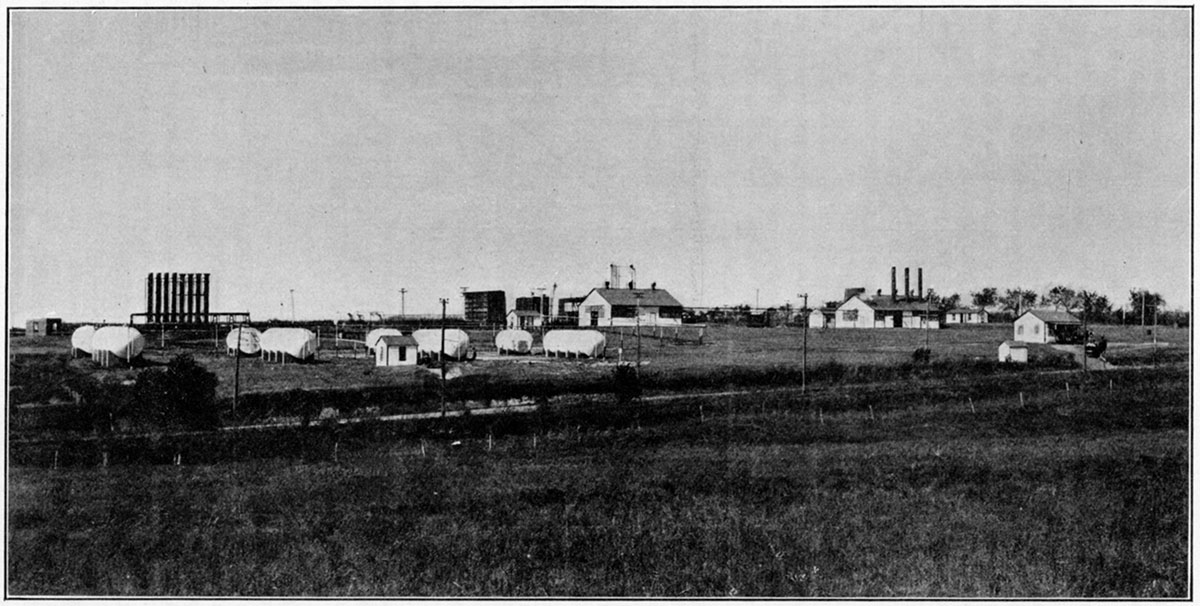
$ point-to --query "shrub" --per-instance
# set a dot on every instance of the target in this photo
(182, 394)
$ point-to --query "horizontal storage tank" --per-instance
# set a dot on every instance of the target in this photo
(112, 343)
(277, 343)
(374, 336)
(574, 343)
(81, 340)
(514, 341)
(250, 341)
(429, 341)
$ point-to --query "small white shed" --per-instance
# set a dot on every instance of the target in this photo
(393, 350)
(1014, 351)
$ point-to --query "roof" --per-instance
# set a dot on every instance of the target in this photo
(1016, 344)
(655, 297)
(389, 340)
(967, 310)
(525, 313)
(887, 303)
(1053, 316)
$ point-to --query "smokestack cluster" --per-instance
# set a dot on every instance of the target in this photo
(177, 298)
(908, 293)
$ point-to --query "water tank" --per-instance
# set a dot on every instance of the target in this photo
(299, 343)
(250, 340)
(514, 341)
(124, 342)
(81, 339)
(576, 343)
(429, 342)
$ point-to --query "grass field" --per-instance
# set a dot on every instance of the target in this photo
(725, 347)
(1053, 494)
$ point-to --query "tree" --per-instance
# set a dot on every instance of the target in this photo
(182, 394)
(1018, 300)
(1095, 307)
(954, 301)
(1061, 296)
(1143, 304)
(986, 297)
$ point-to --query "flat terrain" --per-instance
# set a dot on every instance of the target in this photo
(724, 347)
(1053, 494)
(935, 483)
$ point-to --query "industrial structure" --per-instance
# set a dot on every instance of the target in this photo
(538, 303)
(907, 310)
(174, 298)
(182, 299)
(41, 327)
(484, 307)
(630, 307)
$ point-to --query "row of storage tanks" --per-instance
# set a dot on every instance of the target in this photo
(109, 343)
(558, 343)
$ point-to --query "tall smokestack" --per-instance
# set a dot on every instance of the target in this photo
(920, 285)
(907, 289)
(615, 275)
(632, 278)
(893, 282)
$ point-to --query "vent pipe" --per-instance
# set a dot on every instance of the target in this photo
(920, 285)
(893, 282)
(632, 278)
(907, 289)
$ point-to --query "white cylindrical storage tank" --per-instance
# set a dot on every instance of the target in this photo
(81, 339)
(249, 341)
(299, 343)
(574, 343)
(374, 336)
(122, 342)
(514, 341)
(429, 342)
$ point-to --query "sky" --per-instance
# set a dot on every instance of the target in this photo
(730, 155)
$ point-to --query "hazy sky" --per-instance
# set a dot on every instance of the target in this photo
(347, 153)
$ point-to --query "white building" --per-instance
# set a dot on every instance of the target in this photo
(884, 311)
(967, 315)
(393, 350)
(1014, 351)
(524, 319)
(1045, 326)
(630, 306)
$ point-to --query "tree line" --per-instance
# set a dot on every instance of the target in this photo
(1143, 306)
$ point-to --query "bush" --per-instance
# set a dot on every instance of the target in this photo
(182, 394)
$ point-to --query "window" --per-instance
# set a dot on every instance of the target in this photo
(1020, 329)
(850, 315)
(403, 352)
(1035, 329)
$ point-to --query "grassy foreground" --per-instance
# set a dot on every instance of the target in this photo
(1064, 494)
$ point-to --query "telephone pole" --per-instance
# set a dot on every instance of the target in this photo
(442, 356)
(804, 368)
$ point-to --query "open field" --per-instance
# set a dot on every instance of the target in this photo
(729, 348)
(1052, 494)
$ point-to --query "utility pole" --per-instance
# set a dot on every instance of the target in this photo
(804, 368)
(926, 322)
(237, 367)
(637, 321)
(1084, 300)
(442, 356)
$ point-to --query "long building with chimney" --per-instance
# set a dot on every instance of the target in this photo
(906, 309)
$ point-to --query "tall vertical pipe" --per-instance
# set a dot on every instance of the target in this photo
(920, 284)
(207, 287)
(907, 289)
(893, 283)
(157, 297)
(173, 312)
(189, 301)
